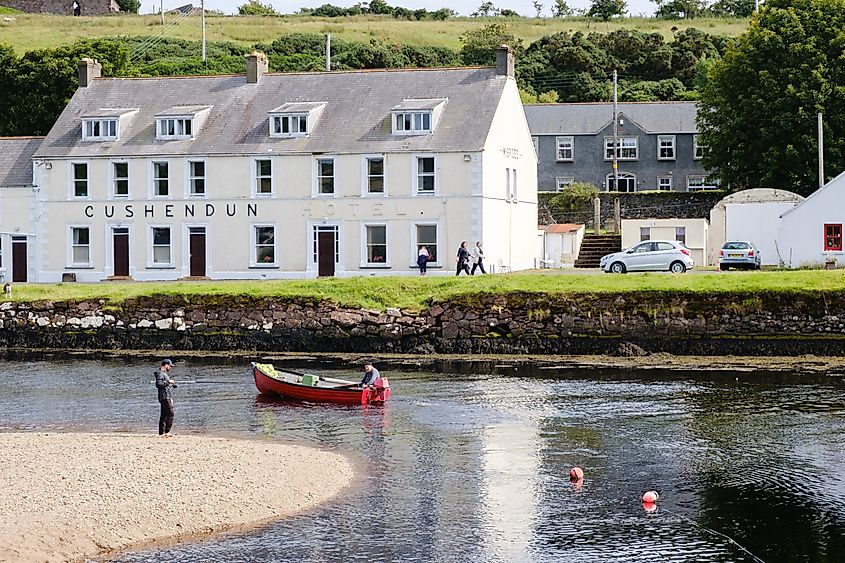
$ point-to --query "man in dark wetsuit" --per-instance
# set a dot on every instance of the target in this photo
(370, 375)
(163, 384)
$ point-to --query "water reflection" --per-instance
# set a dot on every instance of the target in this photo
(474, 468)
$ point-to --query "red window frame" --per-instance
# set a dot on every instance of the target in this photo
(833, 236)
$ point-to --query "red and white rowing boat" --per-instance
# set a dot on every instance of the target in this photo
(315, 388)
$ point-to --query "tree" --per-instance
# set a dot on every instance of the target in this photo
(256, 8)
(758, 109)
(733, 8)
(380, 7)
(561, 9)
(538, 8)
(129, 6)
(485, 10)
(606, 9)
(680, 9)
(480, 45)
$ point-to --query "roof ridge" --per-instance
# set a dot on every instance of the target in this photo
(304, 72)
(14, 137)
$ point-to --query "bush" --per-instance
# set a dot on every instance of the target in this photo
(256, 8)
(575, 197)
(129, 6)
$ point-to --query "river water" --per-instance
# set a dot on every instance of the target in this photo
(474, 467)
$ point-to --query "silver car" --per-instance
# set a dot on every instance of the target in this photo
(650, 255)
(739, 254)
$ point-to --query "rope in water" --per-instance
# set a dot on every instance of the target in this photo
(712, 531)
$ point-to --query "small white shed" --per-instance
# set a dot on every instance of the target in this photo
(561, 243)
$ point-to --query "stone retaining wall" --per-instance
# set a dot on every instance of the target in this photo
(626, 324)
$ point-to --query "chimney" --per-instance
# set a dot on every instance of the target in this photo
(89, 69)
(256, 66)
(504, 61)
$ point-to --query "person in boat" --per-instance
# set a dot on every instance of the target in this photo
(370, 375)
(165, 398)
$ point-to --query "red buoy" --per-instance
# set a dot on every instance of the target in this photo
(649, 507)
(576, 474)
(650, 497)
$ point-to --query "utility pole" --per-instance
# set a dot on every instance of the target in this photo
(328, 51)
(161, 10)
(615, 136)
(202, 7)
(821, 151)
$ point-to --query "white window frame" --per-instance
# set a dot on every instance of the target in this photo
(564, 153)
(190, 178)
(669, 181)
(154, 179)
(365, 260)
(671, 146)
(415, 243)
(151, 263)
(704, 186)
(698, 149)
(72, 183)
(317, 187)
(535, 140)
(2, 269)
(72, 263)
(109, 125)
(300, 120)
(514, 193)
(622, 144)
(179, 127)
(257, 177)
(563, 182)
(113, 180)
(365, 188)
(415, 174)
(622, 176)
(412, 122)
(253, 245)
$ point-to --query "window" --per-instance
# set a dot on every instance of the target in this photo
(161, 179)
(174, 128)
(513, 191)
(698, 148)
(289, 125)
(265, 245)
(375, 174)
(564, 182)
(99, 129)
(161, 246)
(536, 142)
(79, 171)
(644, 247)
(263, 177)
(508, 184)
(412, 123)
(627, 182)
(626, 148)
(196, 177)
(645, 233)
(376, 241)
(565, 148)
(663, 246)
(665, 147)
(698, 183)
(120, 179)
(425, 175)
(427, 237)
(1, 253)
(664, 183)
(681, 235)
(833, 236)
(80, 250)
(325, 176)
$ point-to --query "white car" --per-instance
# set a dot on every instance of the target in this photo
(649, 256)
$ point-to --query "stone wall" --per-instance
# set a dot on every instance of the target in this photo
(89, 7)
(624, 324)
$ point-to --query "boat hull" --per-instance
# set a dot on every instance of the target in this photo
(265, 383)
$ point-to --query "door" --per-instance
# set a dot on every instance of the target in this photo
(197, 246)
(19, 266)
(326, 241)
(120, 248)
(627, 183)
(640, 257)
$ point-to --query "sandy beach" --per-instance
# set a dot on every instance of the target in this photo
(67, 496)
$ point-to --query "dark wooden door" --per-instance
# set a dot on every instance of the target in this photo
(325, 253)
(197, 260)
(120, 246)
(19, 266)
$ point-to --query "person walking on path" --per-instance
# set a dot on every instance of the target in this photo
(463, 259)
(164, 384)
(477, 258)
(422, 259)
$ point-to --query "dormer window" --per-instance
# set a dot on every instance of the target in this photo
(416, 117)
(105, 124)
(180, 122)
(295, 119)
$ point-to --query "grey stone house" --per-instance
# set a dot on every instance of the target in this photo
(657, 146)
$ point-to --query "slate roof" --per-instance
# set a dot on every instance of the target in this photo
(356, 118)
(590, 118)
(16, 160)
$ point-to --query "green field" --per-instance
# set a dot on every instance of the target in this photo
(414, 293)
(30, 31)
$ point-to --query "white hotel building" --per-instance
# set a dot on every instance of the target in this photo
(278, 176)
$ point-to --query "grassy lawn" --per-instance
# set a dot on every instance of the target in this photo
(37, 31)
(415, 293)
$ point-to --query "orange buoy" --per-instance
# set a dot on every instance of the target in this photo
(576, 474)
(650, 497)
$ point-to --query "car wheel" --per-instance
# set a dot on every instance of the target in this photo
(677, 268)
(723, 267)
(617, 268)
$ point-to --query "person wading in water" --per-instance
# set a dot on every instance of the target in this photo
(164, 384)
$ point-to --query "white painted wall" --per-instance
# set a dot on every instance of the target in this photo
(755, 222)
(664, 229)
(561, 249)
(801, 230)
